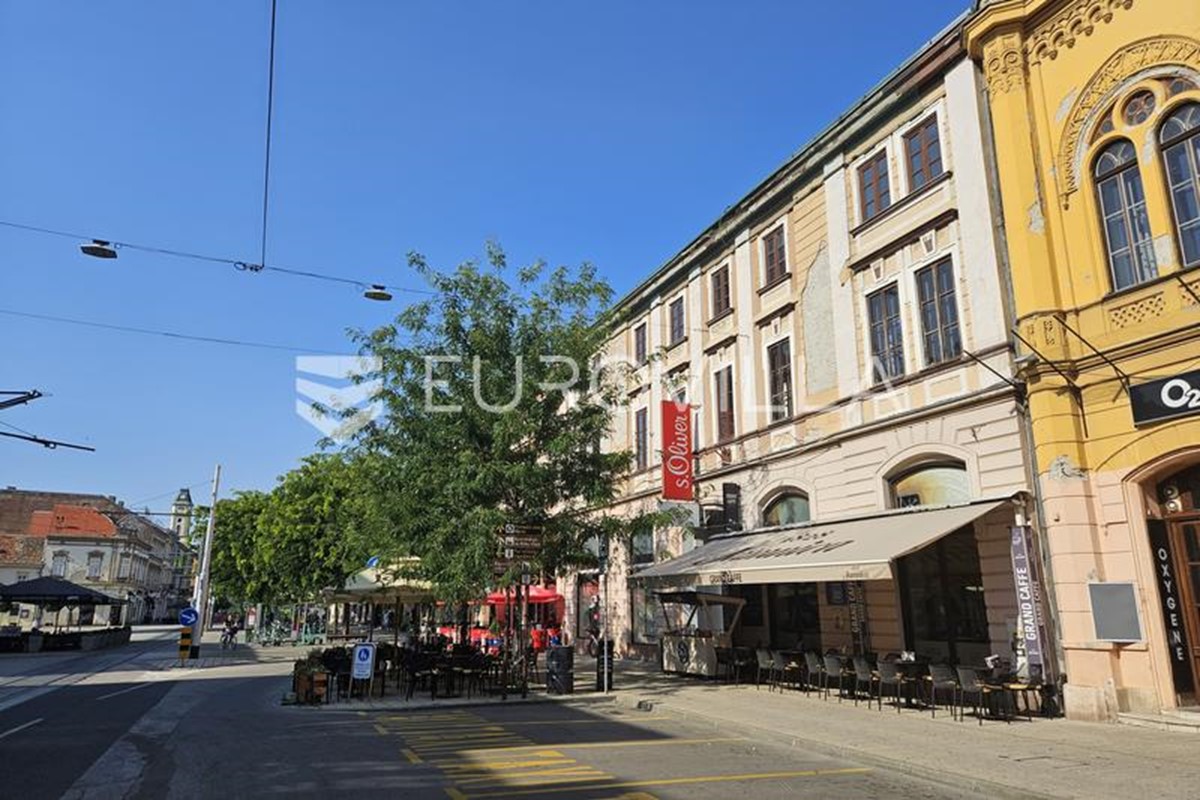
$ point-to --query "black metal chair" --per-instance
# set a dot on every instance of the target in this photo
(784, 667)
(815, 670)
(890, 675)
(941, 677)
(766, 664)
(980, 693)
(743, 659)
(836, 668)
(864, 675)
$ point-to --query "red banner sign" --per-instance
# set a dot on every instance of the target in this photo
(677, 451)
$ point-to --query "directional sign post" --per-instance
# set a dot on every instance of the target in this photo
(189, 644)
(188, 616)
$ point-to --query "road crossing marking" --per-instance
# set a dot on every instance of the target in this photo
(649, 782)
(605, 745)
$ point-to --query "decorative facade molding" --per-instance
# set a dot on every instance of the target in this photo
(1120, 67)
(1062, 30)
(1004, 63)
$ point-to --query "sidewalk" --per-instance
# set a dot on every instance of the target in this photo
(1045, 757)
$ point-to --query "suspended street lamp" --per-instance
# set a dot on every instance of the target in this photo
(98, 248)
(377, 291)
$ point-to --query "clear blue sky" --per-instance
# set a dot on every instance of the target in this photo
(610, 132)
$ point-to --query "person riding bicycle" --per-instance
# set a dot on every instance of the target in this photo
(229, 634)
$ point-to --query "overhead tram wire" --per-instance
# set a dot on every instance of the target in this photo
(241, 266)
(168, 334)
(262, 259)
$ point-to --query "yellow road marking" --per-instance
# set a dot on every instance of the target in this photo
(602, 745)
(622, 721)
(750, 776)
(534, 776)
(455, 794)
(412, 757)
(491, 766)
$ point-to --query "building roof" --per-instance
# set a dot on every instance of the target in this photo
(20, 551)
(18, 505)
(184, 497)
(70, 520)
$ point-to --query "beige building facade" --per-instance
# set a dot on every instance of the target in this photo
(839, 334)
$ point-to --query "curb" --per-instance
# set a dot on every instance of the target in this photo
(955, 780)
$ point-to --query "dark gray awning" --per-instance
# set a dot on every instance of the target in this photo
(858, 549)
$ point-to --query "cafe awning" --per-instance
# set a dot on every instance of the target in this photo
(852, 549)
(383, 585)
(48, 590)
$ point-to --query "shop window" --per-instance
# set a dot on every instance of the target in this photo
(887, 340)
(931, 484)
(752, 612)
(1122, 202)
(945, 613)
(648, 621)
(795, 615)
(939, 313)
(787, 509)
(1179, 137)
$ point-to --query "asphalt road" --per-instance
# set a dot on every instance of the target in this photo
(220, 732)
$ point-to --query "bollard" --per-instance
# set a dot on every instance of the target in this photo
(185, 644)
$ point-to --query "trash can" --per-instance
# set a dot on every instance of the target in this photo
(605, 656)
(560, 670)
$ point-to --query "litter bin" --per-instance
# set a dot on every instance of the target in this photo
(560, 670)
(605, 656)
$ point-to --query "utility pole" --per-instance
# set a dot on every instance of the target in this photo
(201, 591)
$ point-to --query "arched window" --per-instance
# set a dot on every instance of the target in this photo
(931, 484)
(1123, 211)
(786, 509)
(1179, 138)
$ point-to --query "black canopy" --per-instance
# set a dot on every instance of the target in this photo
(47, 590)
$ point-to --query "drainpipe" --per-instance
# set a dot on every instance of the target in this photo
(1008, 300)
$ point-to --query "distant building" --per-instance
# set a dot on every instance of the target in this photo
(95, 541)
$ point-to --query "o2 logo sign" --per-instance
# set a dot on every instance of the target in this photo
(1178, 393)
(1165, 398)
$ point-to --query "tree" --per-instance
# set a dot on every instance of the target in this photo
(491, 419)
(310, 532)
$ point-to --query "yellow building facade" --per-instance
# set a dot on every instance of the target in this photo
(1095, 121)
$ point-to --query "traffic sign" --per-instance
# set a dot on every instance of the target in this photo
(188, 616)
(364, 661)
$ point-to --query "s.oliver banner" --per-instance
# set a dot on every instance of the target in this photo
(677, 451)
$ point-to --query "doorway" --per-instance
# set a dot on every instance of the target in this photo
(1175, 547)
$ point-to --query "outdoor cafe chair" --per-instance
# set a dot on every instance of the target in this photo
(941, 677)
(864, 675)
(978, 691)
(784, 667)
(835, 668)
(765, 665)
(890, 675)
(816, 671)
(743, 659)
(725, 664)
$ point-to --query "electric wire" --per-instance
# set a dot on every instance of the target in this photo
(167, 334)
(267, 160)
(242, 266)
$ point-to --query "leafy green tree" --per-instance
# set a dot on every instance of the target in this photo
(490, 418)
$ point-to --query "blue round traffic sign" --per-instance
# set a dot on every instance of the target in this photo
(188, 616)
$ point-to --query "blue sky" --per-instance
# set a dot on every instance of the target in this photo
(608, 132)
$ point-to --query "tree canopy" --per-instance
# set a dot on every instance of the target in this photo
(490, 416)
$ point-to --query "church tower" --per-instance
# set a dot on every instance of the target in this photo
(181, 515)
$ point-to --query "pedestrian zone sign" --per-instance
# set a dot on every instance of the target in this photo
(364, 661)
